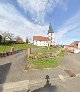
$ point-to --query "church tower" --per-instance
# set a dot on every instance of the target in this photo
(51, 35)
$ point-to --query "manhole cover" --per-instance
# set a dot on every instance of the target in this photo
(71, 74)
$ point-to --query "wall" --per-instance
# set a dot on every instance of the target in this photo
(40, 43)
(51, 37)
(79, 45)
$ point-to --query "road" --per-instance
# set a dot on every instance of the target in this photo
(71, 62)
(69, 84)
(12, 70)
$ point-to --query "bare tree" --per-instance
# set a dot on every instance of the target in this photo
(10, 36)
(7, 35)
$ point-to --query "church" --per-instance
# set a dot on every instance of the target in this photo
(45, 41)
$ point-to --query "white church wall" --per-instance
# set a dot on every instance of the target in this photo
(51, 37)
(40, 43)
(34, 43)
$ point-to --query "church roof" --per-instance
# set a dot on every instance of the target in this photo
(50, 29)
(40, 38)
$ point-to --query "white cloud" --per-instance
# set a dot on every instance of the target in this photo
(39, 8)
(12, 21)
(71, 27)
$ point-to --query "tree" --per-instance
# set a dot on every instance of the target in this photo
(7, 35)
(0, 38)
(27, 41)
(19, 39)
(10, 36)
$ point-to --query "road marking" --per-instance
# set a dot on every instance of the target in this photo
(78, 75)
(62, 78)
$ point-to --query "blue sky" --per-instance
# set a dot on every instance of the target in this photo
(28, 18)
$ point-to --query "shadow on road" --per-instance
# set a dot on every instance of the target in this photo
(4, 69)
(47, 87)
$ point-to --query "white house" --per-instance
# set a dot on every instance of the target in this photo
(41, 41)
(74, 47)
(79, 45)
(45, 41)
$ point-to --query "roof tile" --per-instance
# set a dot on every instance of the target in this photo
(40, 38)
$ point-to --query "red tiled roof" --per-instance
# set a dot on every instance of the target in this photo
(74, 43)
(40, 38)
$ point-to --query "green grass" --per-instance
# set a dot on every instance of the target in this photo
(41, 63)
(5, 48)
(62, 53)
(45, 51)
(44, 63)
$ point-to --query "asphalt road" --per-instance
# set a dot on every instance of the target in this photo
(71, 62)
(12, 70)
(71, 84)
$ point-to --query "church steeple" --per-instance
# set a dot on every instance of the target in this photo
(50, 29)
(51, 35)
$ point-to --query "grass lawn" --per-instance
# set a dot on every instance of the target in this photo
(43, 63)
(45, 51)
(63, 53)
(5, 48)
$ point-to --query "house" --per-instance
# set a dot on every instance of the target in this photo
(66, 46)
(45, 41)
(75, 44)
(73, 47)
(41, 41)
(79, 45)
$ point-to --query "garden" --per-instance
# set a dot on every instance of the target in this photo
(45, 58)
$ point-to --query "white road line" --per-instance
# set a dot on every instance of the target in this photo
(78, 75)
(62, 78)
